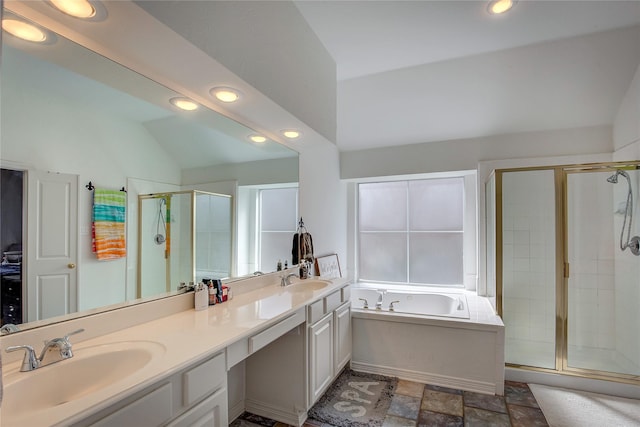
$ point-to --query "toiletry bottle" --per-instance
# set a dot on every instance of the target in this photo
(213, 292)
(286, 264)
(279, 267)
(217, 284)
(201, 295)
(303, 269)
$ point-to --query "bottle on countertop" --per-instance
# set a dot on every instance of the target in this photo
(213, 292)
(286, 264)
(304, 271)
(217, 284)
(279, 267)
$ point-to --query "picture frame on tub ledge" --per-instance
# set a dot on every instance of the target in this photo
(328, 266)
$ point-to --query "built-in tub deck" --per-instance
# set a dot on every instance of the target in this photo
(457, 343)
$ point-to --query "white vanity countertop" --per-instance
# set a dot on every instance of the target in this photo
(186, 336)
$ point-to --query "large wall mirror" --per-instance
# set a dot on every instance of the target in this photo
(69, 117)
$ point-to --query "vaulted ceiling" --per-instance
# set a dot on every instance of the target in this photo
(422, 71)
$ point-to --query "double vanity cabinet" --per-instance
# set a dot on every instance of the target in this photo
(286, 377)
(196, 396)
(272, 351)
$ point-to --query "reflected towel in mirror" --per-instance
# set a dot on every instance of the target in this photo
(108, 224)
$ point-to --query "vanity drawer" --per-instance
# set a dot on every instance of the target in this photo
(203, 380)
(315, 311)
(346, 293)
(274, 332)
(152, 409)
(237, 352)
(332, 301)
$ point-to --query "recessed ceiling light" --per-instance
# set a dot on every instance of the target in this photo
(184, 104)
(77, 8)
(23, 30)
(497, 7)
(291, 133)
(225, 94)
(257, 138)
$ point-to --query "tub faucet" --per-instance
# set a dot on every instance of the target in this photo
(381, 293)
(284, 280)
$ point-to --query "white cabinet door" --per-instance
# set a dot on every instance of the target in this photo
(342, 320)
(320, 357)
(212, 412)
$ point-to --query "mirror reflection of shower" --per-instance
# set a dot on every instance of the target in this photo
(183, 237)
(159, 238)
(633, 243)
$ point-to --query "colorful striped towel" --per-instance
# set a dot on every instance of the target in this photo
(108, 224)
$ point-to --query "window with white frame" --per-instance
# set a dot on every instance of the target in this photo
(411, 232)
(277, 223)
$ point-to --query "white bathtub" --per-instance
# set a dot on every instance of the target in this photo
(410, 302)
(429, 337)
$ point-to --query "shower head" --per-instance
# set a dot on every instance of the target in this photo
(614, 178)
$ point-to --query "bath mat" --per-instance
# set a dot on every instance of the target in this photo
(355, 399)
(572, 408)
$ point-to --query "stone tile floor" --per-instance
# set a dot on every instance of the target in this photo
(416, 404)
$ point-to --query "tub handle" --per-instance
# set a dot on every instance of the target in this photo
(391, 305)
(366, 303)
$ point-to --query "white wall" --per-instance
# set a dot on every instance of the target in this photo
(464, 154)
(626, 127)
(262, 172)
(43, 133)
(323, 199)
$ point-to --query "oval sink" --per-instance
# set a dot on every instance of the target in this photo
(88, 371)
(307, 285)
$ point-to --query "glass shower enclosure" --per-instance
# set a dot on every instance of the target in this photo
(183, 237)
(563, 247)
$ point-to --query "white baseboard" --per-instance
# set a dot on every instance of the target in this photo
(236, 410)
(276, 414)
(427, 378)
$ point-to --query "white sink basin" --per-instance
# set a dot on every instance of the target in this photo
(91, 369)
(307, 285)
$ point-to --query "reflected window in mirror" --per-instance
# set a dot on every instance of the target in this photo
(271, 216)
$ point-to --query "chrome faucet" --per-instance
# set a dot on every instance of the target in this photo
(284, 280)
(8, 328)
(58, 349)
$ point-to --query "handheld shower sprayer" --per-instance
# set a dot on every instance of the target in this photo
(633, 243)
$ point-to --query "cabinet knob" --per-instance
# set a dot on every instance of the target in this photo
(71, 265)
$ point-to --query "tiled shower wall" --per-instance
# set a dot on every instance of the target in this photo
(528, 231)
(604, 290)
(627, 284)
(592, 240)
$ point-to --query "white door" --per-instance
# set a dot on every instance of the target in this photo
(52, 206)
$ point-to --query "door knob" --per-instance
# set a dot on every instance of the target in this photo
(71, 265)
